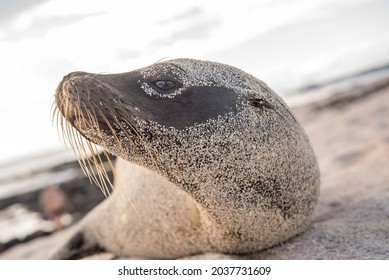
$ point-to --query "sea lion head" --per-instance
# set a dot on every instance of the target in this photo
(198, 123)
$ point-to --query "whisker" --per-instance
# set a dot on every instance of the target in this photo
(76, 119)
(108, 124)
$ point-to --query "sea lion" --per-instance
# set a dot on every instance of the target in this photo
(210, 160)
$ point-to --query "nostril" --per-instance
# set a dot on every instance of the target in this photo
(74, 74)
(65, 78)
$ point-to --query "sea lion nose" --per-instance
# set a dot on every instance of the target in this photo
(74, 75)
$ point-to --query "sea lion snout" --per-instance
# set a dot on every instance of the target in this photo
(87, 104)
(74, 75)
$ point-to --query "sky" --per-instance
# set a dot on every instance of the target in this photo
(286, 43)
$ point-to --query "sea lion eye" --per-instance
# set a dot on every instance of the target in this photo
(165, 84)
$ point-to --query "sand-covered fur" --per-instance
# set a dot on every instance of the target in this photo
(226, 167)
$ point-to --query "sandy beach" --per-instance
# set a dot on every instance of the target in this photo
(349, 132)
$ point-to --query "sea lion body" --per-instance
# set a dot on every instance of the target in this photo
(213, 161)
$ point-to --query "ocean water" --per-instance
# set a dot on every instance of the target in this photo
(288, 44)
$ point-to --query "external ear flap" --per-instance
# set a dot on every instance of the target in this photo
(259, 103)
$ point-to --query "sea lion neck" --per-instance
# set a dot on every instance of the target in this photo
(231, 155)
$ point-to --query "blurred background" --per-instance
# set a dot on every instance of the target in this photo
(294, 46)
